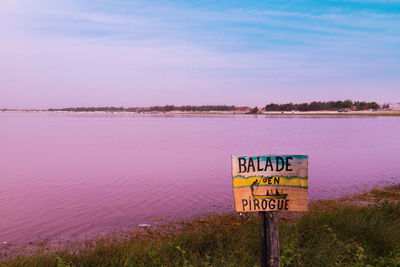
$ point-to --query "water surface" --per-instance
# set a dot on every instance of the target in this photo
(62, 174)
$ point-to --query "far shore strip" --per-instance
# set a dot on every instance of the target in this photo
(286, 113)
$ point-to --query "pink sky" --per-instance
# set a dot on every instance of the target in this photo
(81, 54)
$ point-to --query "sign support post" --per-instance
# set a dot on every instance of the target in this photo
(269, 239)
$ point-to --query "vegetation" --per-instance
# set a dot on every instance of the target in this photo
(254, 110)
(331, 105)
(332, 233)
(196, 108)
(313, 106)
(167, 108)
(92, 109)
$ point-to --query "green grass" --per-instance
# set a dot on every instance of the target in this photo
(328, 235)
(345, 236)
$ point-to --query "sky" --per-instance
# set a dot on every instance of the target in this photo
(68, 53)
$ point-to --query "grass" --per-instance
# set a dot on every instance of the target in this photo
(332, 233)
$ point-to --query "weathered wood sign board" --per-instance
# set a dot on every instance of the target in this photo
(270, 183)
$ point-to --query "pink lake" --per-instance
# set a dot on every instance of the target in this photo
(67, 174)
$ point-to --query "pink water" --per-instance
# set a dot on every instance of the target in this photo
(66, 174)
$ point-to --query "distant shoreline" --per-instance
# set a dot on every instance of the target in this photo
(286, 113)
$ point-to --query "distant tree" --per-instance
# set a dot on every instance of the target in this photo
(315, 106)
(272, 107)
(361, 105)
(303, 107)
(255, 110)
(373, 105)
(347, 104)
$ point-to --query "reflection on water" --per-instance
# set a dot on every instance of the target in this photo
(71, 173)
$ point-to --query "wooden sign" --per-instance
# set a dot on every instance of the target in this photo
(270, 183)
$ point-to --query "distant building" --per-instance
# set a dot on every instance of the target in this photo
(394, 106)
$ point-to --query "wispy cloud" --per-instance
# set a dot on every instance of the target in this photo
(111, 49)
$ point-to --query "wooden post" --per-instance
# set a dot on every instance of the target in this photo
(269, 239)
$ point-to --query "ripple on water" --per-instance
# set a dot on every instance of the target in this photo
(66, 173)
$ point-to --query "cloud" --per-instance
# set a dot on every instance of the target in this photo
(99, 53)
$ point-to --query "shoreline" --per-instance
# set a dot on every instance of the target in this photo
(72, 251)
(284, 113)
(61, 239)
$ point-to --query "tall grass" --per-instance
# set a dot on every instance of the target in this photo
(345, 236)
(340, 235)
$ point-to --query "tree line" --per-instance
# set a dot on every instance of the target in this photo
(312, 106)
(166, 108)
(330, 105)
(90, 109)
(197, 108)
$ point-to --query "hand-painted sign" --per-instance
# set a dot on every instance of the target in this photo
(270, 183)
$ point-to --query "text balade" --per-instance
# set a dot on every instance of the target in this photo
(251, 165)
(270, 183)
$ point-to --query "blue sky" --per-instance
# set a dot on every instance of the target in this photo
(142, 53)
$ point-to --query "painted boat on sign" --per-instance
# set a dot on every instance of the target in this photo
(280, 196)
